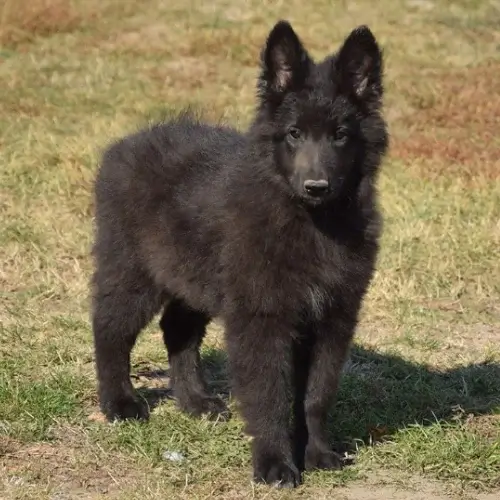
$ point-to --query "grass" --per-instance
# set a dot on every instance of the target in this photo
(419, 405)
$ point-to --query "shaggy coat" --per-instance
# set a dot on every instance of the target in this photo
(274, 230)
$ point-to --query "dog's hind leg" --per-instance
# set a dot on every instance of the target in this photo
(124, 303)
(183, 331)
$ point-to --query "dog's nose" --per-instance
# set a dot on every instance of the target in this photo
(316, 188)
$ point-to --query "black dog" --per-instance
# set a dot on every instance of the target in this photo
(275, 231)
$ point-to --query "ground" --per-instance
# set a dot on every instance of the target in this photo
(419, 407)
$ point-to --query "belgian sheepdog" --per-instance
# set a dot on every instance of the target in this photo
(275, 231)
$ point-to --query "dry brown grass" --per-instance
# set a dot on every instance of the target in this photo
(241, 46)
(24, 21)
(454, 131)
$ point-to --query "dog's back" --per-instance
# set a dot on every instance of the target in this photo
(159, 194)
(167, 160)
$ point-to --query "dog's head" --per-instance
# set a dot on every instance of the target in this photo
(323, 120)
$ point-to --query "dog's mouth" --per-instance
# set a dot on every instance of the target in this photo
(314, 200)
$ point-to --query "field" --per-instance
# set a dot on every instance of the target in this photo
(419, 406)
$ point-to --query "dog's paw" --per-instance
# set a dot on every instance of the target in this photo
(125, 408)
(272, 469)
(322, 459)
(211, 406)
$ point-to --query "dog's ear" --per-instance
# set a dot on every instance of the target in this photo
(359, 66)
(285, 62)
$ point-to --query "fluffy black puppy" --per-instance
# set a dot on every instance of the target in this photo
(275, 231)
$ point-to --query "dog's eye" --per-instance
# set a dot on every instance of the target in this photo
(294, 133)
(341, 135)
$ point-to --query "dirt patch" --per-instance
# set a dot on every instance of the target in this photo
(72, 467)
(454, 123)
(395, 485)
(363, 492)
(487, 426)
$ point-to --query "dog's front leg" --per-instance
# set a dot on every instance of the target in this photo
(260, 359)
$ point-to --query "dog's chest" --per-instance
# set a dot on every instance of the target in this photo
(334, 273)
(293, 268)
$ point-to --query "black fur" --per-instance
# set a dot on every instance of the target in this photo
(275, 231)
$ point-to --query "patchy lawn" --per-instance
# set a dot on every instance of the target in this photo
(419, 406)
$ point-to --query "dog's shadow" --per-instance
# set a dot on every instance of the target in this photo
(379, 393)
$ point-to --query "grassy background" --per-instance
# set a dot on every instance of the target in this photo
(420, 400)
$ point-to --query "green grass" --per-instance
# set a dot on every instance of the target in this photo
(419, 405)
(29, 409)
